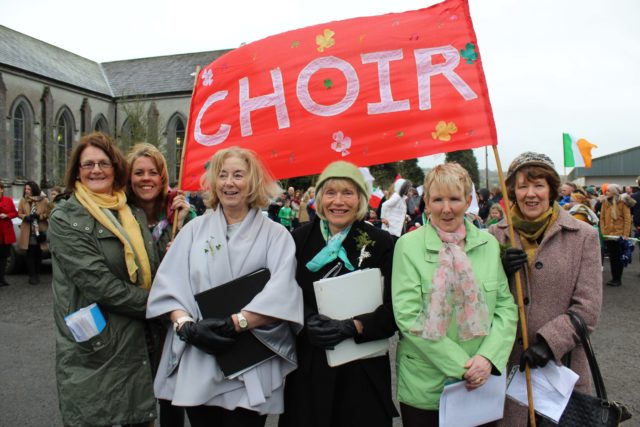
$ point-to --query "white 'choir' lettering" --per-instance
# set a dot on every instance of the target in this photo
(424, 66)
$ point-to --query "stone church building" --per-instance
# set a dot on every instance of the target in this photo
(50, 97)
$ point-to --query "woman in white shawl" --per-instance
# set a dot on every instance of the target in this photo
(233, 240)
(394, 210)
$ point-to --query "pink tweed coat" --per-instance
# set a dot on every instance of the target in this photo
(565, 275)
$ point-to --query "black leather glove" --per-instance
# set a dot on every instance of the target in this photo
(512, 260)
(207, 335)
(228, 328)
(537, 355)
(325, 332)
(29, 218)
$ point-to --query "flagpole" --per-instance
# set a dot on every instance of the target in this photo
(174, 228)
(519, 293)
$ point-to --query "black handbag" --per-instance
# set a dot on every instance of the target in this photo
(584, 409)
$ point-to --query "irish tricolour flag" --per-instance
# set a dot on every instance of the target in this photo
(577, 153)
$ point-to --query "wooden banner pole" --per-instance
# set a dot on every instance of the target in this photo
(519, 293)
(174, 229)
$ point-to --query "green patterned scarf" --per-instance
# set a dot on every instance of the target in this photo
(531, 231)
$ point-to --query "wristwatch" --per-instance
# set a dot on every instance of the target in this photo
(242, 321)
(180, 321)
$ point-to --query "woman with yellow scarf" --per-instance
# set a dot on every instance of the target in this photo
(561, 271)
(102, 253)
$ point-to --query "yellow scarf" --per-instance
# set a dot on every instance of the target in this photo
(134, 248)
(531, 231)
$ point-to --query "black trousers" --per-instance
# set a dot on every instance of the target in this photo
(214, 416)
(415, 417)
(33, 260)
(615, 255)
(170, 416)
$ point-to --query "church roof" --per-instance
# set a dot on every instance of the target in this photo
(34, 56)
(134, 77)
(157, 75)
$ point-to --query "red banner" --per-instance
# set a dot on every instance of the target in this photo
(368, 90)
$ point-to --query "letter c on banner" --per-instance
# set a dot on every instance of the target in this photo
(302, 87)
(223, 132)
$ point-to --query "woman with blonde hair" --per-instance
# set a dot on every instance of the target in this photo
(495, 214)
(148, 189)
(231, 241)
(451, 301)
(615, 220)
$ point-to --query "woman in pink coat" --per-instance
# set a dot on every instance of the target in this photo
(7, 235)
(561, 271)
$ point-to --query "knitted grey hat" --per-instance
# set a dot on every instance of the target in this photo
(530, 159)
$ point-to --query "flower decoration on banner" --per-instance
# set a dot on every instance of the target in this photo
(207, 77)
(325, 40)
(444, 130)
(362, 241)
(469, 53)
(328, 83)
(341, 143)
(295, 43)
(399, 134)
(211, 247)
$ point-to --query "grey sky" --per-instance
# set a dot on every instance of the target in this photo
(552, 66)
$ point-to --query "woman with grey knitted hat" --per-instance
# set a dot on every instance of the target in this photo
(338, 239)
(559, 258)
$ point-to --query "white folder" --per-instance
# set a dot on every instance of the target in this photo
(349, 295)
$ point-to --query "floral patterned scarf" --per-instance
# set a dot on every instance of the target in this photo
(453, 291)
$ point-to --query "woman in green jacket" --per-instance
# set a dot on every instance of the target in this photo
(451, 301)
(102, 253)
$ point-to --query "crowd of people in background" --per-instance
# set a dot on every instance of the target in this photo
(111, 233)
(612, 209)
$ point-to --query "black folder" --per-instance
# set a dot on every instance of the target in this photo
(227, 299)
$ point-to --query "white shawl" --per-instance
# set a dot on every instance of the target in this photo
(394, 210)
(200, 258)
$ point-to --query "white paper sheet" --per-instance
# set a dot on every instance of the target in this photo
(462, 408)
(551, 385)
(349, 295)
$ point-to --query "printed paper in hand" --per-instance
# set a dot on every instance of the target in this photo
(552, 387)
(85, 323)
(349, 295)
(462, 408)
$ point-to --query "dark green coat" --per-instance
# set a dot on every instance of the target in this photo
(106, 380)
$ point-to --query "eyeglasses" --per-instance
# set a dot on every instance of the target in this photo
(101, 164)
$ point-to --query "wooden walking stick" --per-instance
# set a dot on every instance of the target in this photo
(519, 294)
(174, 228)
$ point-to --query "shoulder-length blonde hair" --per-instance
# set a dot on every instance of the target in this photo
(144, 149)
(363, 202)
(260, 184)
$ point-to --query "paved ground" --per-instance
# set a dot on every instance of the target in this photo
(27, 384)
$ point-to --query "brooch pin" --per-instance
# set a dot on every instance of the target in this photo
(362, 241)
(212, 246)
